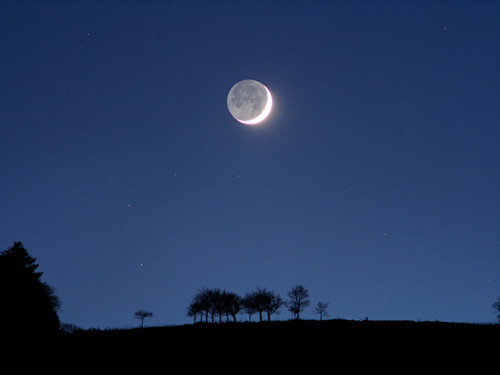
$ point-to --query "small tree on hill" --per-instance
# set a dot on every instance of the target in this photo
(259, 300)
(201, 304)
(248, 303)
(272, 303)
(320, 309)
(231, 304)
(299, 300)
(194, 309)
(496, 306)
(142, 314)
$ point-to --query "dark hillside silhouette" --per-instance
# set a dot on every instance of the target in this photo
(28, 305)
(330, 339)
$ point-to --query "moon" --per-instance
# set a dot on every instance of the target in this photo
(249, 102)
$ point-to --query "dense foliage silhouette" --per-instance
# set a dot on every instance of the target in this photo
(28, 305)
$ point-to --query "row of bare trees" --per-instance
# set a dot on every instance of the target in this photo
(218, 304)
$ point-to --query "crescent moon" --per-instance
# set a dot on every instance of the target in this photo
(264, 113)
(249, 102)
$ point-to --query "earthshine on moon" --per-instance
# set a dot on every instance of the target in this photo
(249, 102)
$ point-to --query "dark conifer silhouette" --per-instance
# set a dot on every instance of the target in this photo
(28, 305)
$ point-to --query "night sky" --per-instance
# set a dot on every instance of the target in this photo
(374, 183)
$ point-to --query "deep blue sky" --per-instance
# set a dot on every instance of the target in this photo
(375, 182)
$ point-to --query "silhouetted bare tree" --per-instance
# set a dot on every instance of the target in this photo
(231, 304)
(214, 303)
(142, 314)
(248, 303)
(271, 303)
(217, 302)
(28, 304)
(201, 304)
(194, 309)
(213, 300)
(258, 301)
(299, 300)
(320, 309)
(496, 306)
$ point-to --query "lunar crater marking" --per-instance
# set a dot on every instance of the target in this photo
(249, 102)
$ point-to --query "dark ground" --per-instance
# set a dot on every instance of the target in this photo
(336, 346)
(293, 334)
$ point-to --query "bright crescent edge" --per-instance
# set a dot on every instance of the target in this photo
(265, 112)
